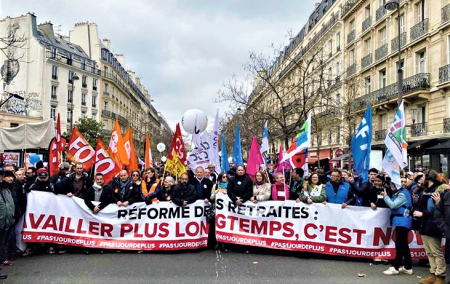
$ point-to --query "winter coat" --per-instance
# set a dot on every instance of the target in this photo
(317, 193)
(426, 205)
(275, 191)
(262, 192)
(67, 185)
(184, 192)
(131, 194)
(202, 187)
(240, 186)
(105, 197)
(7, 208)
(442, 214)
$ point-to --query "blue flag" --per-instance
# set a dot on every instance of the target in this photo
(361, 144)
(225, 166)
(237, 150)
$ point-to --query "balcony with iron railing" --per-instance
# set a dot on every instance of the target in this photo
(366, 24)
(444, 74)
(106, 93)
(380, 135)
(418, 129)
(54, 97)
(445, 14)
(394, 42)
(62, 59)
(347, 6)
(366, 60)
(351, 70)
(381, 52)
(411, 84)
(446, 125)
(380, 13)
(419, 30)
(351, 36)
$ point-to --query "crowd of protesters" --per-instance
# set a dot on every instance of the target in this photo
(422, 203)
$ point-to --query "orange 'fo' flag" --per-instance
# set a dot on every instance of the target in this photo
(79, 150)
(104, 164)
(177, 155)
(148, 153)
(129, 146)
(117, 147)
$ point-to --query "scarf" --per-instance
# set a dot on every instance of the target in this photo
(259, 183)
(223, 184)
(123, 186)
(96, 186)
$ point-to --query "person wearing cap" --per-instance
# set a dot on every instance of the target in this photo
(431, 234)
(43, 183)
(7, 211)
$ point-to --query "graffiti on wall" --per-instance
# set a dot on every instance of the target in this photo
(30, 106)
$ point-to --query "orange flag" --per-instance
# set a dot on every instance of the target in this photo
(80, 150)
(129, 146)
(103, 162)
(148, 153)
(117, 147)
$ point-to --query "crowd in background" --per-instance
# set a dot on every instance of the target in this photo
(415, 205)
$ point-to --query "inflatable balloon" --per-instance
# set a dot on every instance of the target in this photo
(163, 158)
(160, 147)
(34, 158)
(188, 121)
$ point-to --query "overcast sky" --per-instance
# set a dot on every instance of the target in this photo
(183, 50)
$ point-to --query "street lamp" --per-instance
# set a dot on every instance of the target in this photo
(10, 96)
(74, 78)
(413, 112)
(391, 6)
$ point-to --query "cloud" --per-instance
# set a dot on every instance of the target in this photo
(182, 50)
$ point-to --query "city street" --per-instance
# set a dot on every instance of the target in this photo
(207, 266)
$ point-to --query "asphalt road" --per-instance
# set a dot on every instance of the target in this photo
(206, 266)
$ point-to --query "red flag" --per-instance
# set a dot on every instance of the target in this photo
(177, 155)
(79, 150)
(103, 162)
(148, 153)
(129, 147)
(255, 159)
(53, 159)
(117, 147)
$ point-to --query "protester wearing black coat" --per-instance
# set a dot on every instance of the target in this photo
(184, 192)
(241, 187)
(130, 194)
(105, 197)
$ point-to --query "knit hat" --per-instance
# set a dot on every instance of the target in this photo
(9, 174)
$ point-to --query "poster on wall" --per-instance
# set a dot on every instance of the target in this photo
(26, 159)
(12, 158)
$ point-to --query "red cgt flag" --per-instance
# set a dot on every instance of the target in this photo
(79, 150)
(53, 159)
(103, 162)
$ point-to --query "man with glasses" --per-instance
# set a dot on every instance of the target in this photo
(213, 174)
(30, 178)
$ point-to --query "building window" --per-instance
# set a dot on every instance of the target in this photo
(402, 23)
(367, 12)
(330, 47)
(382, 78)
(83, 64)
(83, 115)
(54, 92)
(338, 41)
(420, 11)
(384, 120)
(53, 53)
(53, 113)
(421, 62)
(83, 99)
(401, 65)
(12, 125)
(352, 25)
(69, 96)
(54, 72)
(105, 106)
(69, 59)
(69, 116)
(368, 44)
(351, 56)
(94, 117)
(84, 81)
(94, 101)
(71, 73)
(382, 36)
(94, 84)
(367, 85)
(338, 68)
(106, 87)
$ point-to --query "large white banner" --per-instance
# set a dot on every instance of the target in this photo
(158, 226)
(327, 229)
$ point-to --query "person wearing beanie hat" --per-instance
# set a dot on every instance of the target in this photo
(431, 234)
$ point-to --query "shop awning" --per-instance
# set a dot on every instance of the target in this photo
(340, 158)
(414, 144)
(442, 145)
